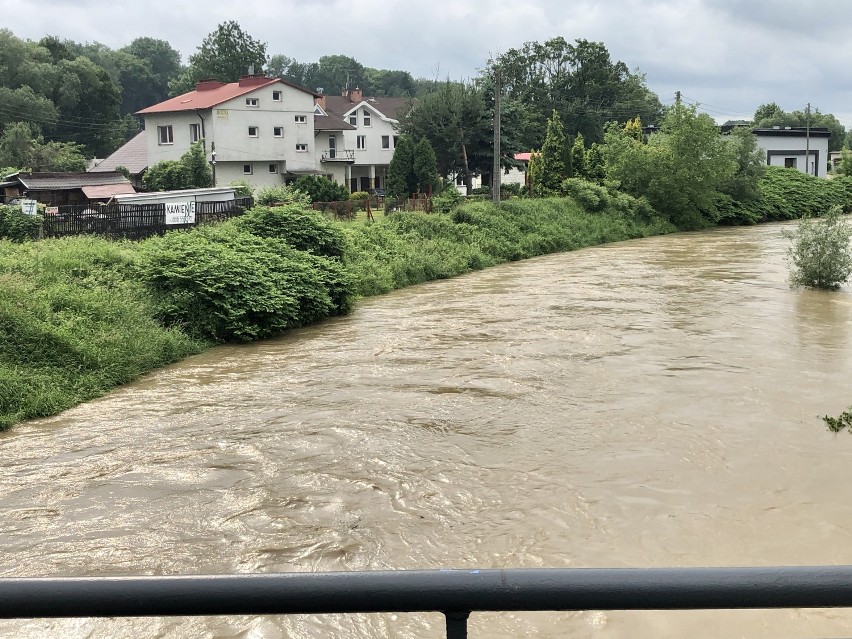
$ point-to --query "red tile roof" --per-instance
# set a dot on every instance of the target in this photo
(523, 157)
(105, 191)
(213, 93)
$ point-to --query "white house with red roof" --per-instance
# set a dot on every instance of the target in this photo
(259, 129)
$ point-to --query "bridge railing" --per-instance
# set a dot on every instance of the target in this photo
(455, 593)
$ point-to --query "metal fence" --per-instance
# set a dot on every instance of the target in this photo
(133, 221)
(455, 593)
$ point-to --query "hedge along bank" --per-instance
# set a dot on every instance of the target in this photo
(79, 316)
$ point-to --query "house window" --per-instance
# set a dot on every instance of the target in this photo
(362, 142)
(252, 132)
(165, 135)
(276, 96)
(194, 132)
(353, 119)
(252, 102)
(301, 119)
(247, 169)
(273, 168)
(301, 147)
(278, 131)
(385, 141)
(368, 120)
(790, 163)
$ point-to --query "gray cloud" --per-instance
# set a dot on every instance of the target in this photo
(729, 55)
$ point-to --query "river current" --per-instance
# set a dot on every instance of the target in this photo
(651, 403)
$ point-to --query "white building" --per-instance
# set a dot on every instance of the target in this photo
(787, 146)
(259, 129)
(359, 155)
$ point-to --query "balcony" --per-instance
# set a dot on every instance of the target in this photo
(338, 155)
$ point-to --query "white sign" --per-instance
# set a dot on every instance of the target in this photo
(29, 207)
(180, 212)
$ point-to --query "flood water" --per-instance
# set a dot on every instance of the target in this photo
(643, 404)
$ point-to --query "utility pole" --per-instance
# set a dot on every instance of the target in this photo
(808, 139)
(495, 173)
(213, 160)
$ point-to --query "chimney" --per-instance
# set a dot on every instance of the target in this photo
(355, 95)
(208, 85)
(253, 80)
(320, 99)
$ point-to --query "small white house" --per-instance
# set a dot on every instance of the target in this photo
(788, 147)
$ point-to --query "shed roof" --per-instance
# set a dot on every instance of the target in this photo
(68, 181)
(133, 155)
(106, 191)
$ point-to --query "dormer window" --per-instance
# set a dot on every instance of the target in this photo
(252, 102)
(353, 119)
(368, 120)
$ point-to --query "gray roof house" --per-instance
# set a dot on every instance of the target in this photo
(133, 156)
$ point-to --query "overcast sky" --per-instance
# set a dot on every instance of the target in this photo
(728, 55)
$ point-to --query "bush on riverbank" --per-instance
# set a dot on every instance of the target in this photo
(79, 316)
(787, 194)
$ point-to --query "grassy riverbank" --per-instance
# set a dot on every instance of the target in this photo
(80, 316)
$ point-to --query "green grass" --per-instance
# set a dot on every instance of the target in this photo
(80, 316)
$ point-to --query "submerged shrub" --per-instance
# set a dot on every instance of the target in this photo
(820, 256)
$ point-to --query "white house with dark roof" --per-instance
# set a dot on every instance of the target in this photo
(788, 147)
(365, 148)
(259, 129)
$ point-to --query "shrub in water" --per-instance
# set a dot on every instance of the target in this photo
(820, 256)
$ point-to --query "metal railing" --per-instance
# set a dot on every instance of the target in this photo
(455, 593)
(338, 155)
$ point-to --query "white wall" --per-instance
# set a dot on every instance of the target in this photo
(374, 154)
(818, 148)
(228, 172)
(180, 134)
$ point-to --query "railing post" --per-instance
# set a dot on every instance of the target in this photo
(457, 624)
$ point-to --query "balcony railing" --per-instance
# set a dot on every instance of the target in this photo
(338, 155)
(455, 593)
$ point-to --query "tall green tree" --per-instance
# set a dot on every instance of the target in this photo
(578, 157)
(162, 60)
(401, 181)
(23, 146)
(455, 121)
(225, 54)
(424, 166)
(555, 155)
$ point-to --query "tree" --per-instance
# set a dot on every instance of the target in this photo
(21, 145)
(400, 181)
(595, 167)
(555, 155)
(681, 170)
(225, 54)
(424, 166)
(191, 171)
(578, 157)
(454, 119)
(767, 110)
(820, 255)
(534, 167)
(162, 60)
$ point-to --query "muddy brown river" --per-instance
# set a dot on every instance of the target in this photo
(643, 404)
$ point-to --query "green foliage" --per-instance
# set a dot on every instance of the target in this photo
(224, 55)
(73, 325)
(321, 189)
(534, 170)
(447, 200)
(242, 188)
(401, 181)
(555, 155)
(845, 166)
(301, 228)
(820, 255)
(359, 196)
(190, 172)
(839, 423)
(424, 166)
(284, 194)
(578, 157)
(770, 115)
(588, 195)
(22, 145)
(18, 227)
(225, 284)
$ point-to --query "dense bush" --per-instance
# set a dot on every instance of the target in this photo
(820, 255)
(357, 196)
(301, 228)
(321, 189)
(225, 284)
(16, 226)
(587, 194)
(284, 194)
